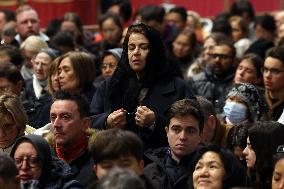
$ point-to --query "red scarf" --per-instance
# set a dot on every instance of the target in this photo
(70, 153)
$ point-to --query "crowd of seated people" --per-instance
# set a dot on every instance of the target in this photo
(151, 100)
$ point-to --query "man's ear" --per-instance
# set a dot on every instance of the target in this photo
(142, 164)
(95, 168)
(212, 121)
(86, 122)
(141, 167)
(167, 129)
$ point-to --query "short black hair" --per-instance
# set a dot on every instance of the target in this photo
(112, 16)
(277, 53)
(152, 12)
(63, 38)
(206, 106)
(125, 8)
(83, 106)
(10, 72)
(229, 43)
(181, 11)
(9, 15)
(267, 22)
(13, 52)
(222, 25)
(8, 169)
(114, 143)
(186, 107)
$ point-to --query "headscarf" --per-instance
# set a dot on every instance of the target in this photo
(43, 151)
(249, 94)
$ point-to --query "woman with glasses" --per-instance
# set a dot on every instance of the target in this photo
(141, 89)
(278, 171)
(110, 59)
(262, 142)
(37, 168)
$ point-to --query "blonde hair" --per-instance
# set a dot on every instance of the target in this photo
(23, 8)
(34, 43)
(10, 103)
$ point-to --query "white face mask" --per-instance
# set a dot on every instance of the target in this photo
(235, 112)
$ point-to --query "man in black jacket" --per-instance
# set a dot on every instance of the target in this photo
(217, 78)
(172, 167)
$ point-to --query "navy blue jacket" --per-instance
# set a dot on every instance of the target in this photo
(166, 173)
(159, 98)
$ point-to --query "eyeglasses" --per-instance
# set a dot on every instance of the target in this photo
(31, 161)
(273, 71)
(220, 56)
(280, 149)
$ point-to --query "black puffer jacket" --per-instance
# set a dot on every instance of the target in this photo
(165, 173)
(61, 176)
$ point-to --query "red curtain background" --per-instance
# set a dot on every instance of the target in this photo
(89, 9)
(209, 8)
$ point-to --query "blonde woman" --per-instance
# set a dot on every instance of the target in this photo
(29, 48)
(12, 121)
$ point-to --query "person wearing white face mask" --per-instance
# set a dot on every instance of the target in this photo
(236, 112)
(243, 104)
